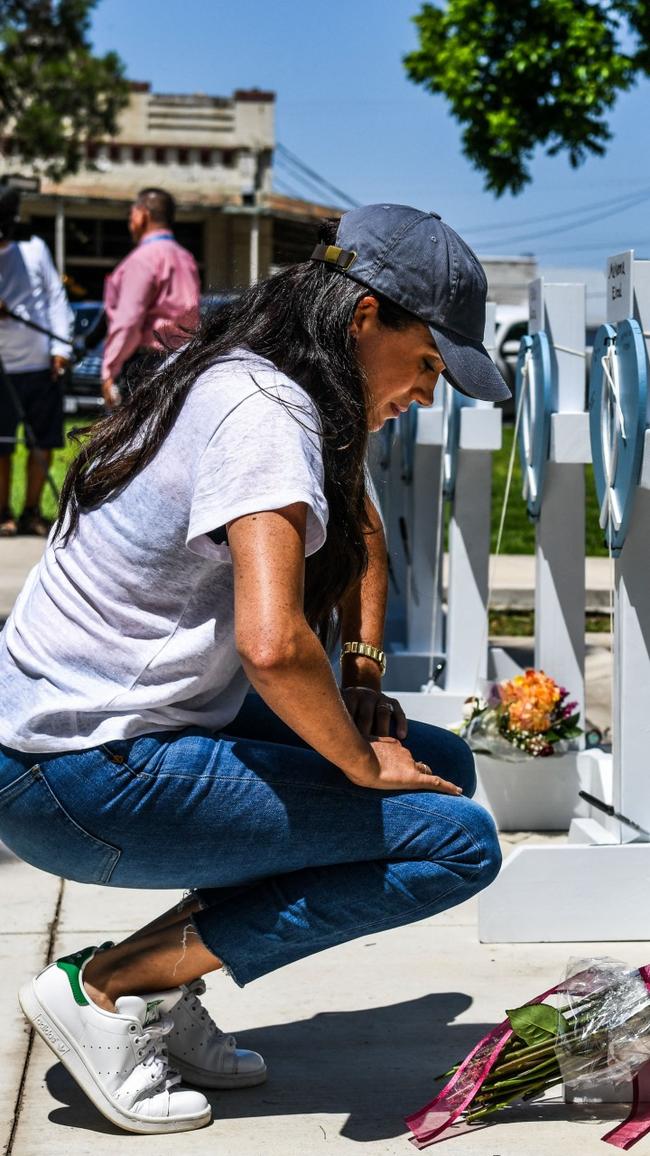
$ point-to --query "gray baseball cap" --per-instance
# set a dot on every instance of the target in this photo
(420, 263)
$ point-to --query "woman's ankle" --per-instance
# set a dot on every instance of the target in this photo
(157, 961)
(101, 983)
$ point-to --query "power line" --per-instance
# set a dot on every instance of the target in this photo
(312, 187)
(312, 184)
(283, 186)
(621, 207)
(309, 172)
(606, 248)
(474, 231)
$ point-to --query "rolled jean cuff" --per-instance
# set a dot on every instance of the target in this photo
(249, 944)
(225, 966)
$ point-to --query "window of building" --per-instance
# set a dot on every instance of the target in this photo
(114, 238)
(229, 158)
(114, 152)
(183, 156)
(206, 157)
(43, 227)
(190, 234)
(91, 150)
(137, 154)
(160, 156)
(81, 238)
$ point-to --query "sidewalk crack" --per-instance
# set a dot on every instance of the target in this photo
(52, 930)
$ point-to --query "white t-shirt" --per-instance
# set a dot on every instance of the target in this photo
(129, 629)
(31, 287)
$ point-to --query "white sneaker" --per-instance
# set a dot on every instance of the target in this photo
(205, 1055)
(118, 1058)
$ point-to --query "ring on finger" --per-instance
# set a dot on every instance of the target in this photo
(425, 770)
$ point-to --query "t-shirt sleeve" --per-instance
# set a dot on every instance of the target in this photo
(265, 454)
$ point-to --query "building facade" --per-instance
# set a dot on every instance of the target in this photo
(214, 154)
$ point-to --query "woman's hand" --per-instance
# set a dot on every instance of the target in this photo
(395, 769)
(373, 711)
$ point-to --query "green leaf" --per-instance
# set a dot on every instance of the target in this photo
(55, 94)
(537, 1023)
(530, 73)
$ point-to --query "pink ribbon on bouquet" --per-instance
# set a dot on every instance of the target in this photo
(437, 1120)
(637, 1124)
(434, 1122)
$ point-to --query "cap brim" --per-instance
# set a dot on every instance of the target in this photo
(469, 367)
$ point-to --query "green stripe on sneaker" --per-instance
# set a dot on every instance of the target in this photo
(72, 965)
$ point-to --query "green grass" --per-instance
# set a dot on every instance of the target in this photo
(60, 462)
(521, 623)
(519, 531)
(518, 534)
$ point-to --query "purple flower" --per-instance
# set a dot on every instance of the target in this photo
(495, 695)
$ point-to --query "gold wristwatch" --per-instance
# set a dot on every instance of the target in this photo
(368, 651)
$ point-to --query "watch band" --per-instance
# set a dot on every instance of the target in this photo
(367, 651)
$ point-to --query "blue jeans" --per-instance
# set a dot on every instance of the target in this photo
(287, 856)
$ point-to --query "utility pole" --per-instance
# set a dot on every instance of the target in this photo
(252, 200)
(59, 238)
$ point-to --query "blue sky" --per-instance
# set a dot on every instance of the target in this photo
(345, 107)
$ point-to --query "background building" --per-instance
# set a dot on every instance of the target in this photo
(215, 154)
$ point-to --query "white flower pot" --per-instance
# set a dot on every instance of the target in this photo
(532, 795)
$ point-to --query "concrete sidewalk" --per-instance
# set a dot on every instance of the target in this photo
(353, 1037)
(512, 575)
(512, 578)
(17, 556)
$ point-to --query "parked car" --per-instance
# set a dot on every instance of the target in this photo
(83, 386)
(511, 326)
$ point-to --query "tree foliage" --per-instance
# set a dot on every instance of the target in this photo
(55, 95)
(524, 73)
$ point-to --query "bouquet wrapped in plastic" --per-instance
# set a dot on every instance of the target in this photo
(596, 1029)
(528, 714)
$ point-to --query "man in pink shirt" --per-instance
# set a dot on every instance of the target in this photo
(155, 290)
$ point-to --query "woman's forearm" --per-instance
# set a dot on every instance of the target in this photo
(299, 686)
(363, 610)
(281, 655)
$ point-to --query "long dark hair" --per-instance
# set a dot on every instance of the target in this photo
(300, 320)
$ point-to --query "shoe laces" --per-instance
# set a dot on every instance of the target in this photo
(191, 999)
(154, 1051)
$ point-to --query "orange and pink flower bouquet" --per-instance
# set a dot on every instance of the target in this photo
(527, 715)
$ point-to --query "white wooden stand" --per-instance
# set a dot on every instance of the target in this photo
(469, 550)
(597, 886)
(560, 530)
(409, 489)
(543, 793)
(460, 636)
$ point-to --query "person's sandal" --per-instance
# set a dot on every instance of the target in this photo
(8, 524)
(33, 524)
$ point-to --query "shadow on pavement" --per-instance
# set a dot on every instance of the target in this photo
(78, 1111)
(375, 1065)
